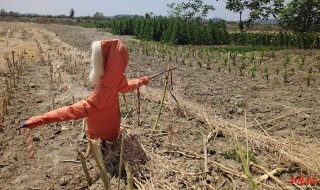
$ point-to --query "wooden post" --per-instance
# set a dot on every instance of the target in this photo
(205, 152)
(138, 106)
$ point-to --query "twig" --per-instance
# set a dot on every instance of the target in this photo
(73, 161)
(3, 165)
(125, 102)
(273, 172)
(33, 188)
(233, 181)
(154, 76)
(138, 184)
(265, 132)
(82, 128)
(283, 116)
(205, 152)
(283, 185)
(221, 184)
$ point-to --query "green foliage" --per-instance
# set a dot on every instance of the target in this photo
(98, 19)
(285, 76)
(189, 10)
(258, 10)
(196, 32)
(253, 70)
(318, 65)
(301, 16)
(302, 61)
(244, 49)
(245, 160)
(172, 30)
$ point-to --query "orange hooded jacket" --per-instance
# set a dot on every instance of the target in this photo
(109, 59)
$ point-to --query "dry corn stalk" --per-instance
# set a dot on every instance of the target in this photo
(4, 107)
(161, 105)
(129, 177)
(85, 168)
(95, 146)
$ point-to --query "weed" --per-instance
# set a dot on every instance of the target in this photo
(277, 70)
(233, 56)
(318, 65)
(308, 78)
(199, 64)
(251, 57)
(292, 71)
(253, 70)
(219, 68)
(241, 68)
(302, 61)
(245, 160)
(226, 58)
(273, 55)
(285, 76)
(266, 73)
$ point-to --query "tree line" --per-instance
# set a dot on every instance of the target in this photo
(184, 31)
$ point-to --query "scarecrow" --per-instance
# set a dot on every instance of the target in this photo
(109, 62)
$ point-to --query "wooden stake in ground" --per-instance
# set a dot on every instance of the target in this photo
(155, 127)
(121, 155)
(205, 152)
(125, 102)
(95, 146)
(1, 122)
(138, 106)
(85, 168)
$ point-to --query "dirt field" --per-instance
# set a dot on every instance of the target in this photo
(282, 115)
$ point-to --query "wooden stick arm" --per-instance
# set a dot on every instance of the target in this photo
(154, 76)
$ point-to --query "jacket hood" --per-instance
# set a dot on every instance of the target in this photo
(109, 62)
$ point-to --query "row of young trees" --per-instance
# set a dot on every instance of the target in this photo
(200, 32)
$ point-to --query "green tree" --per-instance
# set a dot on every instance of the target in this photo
(72, 12)
(259, 10)
(301, 16)
(191, 9)
(3, 12)
(98, 18)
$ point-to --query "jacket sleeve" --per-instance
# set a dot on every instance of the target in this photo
(82, 109)
(131, 85)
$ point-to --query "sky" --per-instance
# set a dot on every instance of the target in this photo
(107, 7)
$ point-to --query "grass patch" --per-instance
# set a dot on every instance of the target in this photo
(245, 49)
(85, 25)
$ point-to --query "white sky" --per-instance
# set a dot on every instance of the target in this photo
(108, 7)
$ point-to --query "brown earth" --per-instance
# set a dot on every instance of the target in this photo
(277, 113)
